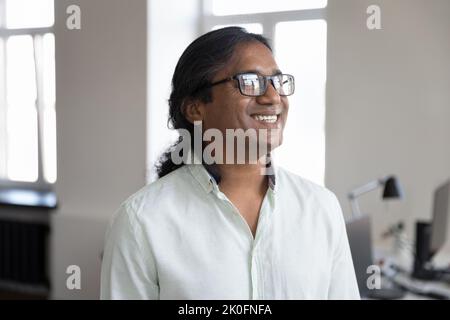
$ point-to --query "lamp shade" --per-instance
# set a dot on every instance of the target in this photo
(392, 188)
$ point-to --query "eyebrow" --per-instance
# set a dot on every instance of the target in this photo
(274, 72)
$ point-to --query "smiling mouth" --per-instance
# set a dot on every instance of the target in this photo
(266, 118)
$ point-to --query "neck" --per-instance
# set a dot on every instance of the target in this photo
(243, 176)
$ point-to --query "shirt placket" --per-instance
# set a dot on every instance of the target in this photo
(255, 273)
(256, 255)
(255, 258)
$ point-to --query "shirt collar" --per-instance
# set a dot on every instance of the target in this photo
(208, 176)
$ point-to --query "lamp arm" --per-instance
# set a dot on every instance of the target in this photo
(355, 193)
(355, 208)
(372, 185)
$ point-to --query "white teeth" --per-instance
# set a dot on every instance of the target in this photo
(268, 119)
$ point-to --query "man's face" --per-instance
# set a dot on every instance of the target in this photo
(230, 109)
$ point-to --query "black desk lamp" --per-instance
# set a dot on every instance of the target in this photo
(392, 190)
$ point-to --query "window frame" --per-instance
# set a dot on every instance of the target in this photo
(268, 20)
(37, 35)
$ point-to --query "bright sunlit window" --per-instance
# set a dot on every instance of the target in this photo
(298, 31)
(27, 86)
(231, 7)
(303, 148)
(29, 13)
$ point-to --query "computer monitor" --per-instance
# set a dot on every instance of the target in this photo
(431, 236)
(439, 224)
(359, 233)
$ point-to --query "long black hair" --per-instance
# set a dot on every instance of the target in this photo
(195, 69)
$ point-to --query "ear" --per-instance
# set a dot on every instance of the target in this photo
(193, 110)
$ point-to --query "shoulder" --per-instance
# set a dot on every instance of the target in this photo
(158, 194)
(309, 194)
(315, 204)
(302, 186)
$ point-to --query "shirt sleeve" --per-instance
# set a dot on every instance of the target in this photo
(128, 271)
(343, 284)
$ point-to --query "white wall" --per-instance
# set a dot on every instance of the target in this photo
(101, 117)
(388, 103)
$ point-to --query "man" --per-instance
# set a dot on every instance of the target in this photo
(228, 230)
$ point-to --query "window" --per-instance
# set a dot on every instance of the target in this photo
(298, 31)
(27, 91)
(230, 7)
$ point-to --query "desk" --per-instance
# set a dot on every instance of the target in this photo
(402, 271)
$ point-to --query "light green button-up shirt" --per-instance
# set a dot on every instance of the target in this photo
(182, 238)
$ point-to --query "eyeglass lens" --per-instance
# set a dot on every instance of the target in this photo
(256, 85)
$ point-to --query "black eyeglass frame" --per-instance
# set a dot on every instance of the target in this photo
(266, 82)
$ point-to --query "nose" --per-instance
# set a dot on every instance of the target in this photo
(271, 95)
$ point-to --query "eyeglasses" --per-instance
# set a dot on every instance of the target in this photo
(255, 85)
